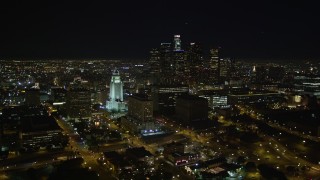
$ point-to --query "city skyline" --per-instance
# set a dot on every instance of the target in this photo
(117, 119)
(130, 29)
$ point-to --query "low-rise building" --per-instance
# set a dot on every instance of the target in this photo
(180, 159)
(116, 161)
(40, 131)
(172, 148)
(140, 154)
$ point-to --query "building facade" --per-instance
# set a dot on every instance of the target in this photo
(115, 101)
(190, 109)
(78, 101)
(140, 108)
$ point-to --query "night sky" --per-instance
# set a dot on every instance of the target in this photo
(128, 29)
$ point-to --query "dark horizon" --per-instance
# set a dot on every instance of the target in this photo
(128, 30)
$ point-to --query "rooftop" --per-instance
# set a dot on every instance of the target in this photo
(139, 152)
(192, 98)
(38, 123)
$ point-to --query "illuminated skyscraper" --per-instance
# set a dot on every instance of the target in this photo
(115, 101)
(180, 68)
(214, 66)
(166, 64)
(179, 62)
(78, 101)
(194, 61)
(177, 43)
(154, 65)
(165, 57)
(195, 54)
(224, 69)
(154, 61)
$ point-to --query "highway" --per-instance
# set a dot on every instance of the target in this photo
(278, 146)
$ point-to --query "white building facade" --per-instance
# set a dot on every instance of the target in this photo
(115, 101)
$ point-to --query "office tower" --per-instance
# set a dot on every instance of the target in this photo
(140, 107)
(224, 69)
(214, 66)
(154, 63)
(179, 65)
(195, 54)
(253, 74)
(140, 116)
(233, 70)
(190, 109)
(194, 61)
(164, 97)
(216, 98)
(115, 101)
(169, 62)
(177, 43)
(180, 68)
(166, 63)
(78, 100)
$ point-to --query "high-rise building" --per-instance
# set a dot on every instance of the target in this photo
(194, 64)
(166, 64)
(165, 58)
(214, 66)
(180, 67)
(154, 63)
(224, 69)
(178, 59)
(233, 70)
(140, 116)
(190, 109)
(140, 107)
(78, 103)
(216, 98)
(170, 64)
(177, 43)
(115, 101)
(164, 97)
(194, 60)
